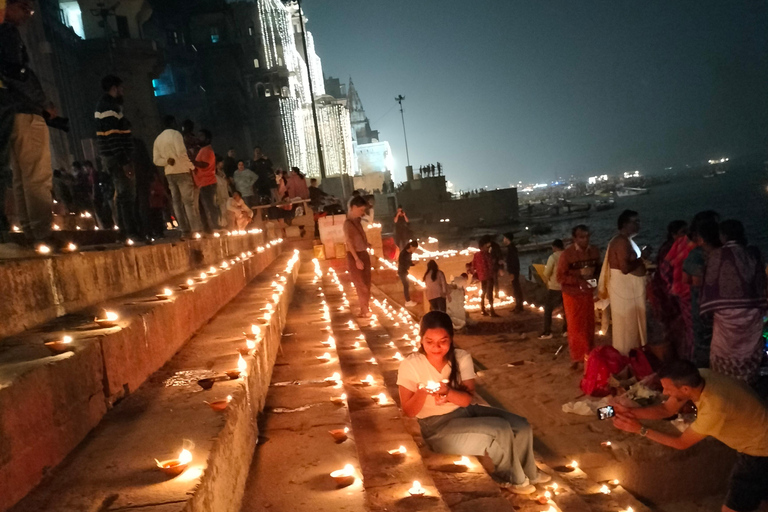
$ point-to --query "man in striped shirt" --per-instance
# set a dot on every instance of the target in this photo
(115, 142)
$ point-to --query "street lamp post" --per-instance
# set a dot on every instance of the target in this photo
(400, 99)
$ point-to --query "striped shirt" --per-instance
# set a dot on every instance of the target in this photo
(113, 130)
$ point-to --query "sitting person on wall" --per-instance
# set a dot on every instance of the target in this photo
(450, 422)
(239, 214)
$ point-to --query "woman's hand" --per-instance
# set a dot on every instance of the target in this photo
(359, 264)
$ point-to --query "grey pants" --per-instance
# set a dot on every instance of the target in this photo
(477, 430)
(184, 202)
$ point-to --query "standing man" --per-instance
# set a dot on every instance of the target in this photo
(576, 274)
(404, 264)
(554, 290)
(513, 269)
(113, 134)
(482, 268)
(623, 281)
(205, 180)
(727, 410)
(170, 153)
(230, 163)
(25, 137)
(402, 229)
(262, 167)
(358, 261)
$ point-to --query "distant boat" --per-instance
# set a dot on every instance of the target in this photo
(605, 204)
(631, 191)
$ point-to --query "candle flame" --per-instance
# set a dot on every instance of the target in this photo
(190, 282)
(185, 457)
(241, 364)
(382, 398)
(402, 449)
(605, 490)
(111, 316)
(66, 339)
(167, 292)
(256, 330)
(464, 461)
(574, 464)
(251, 344)
(343, 396)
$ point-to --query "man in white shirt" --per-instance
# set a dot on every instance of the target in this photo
(170, 153)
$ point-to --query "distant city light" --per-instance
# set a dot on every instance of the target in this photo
(634, 174)
(721, 161)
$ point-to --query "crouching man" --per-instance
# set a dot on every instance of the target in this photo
(728, 410)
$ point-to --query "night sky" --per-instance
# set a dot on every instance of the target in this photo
(501, 91)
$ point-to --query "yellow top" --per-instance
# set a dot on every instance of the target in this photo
(732, 413)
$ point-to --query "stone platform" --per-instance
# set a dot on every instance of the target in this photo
(49, 403)
(115, 469)
(44, 288)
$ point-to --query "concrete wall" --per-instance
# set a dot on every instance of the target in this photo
(48, 404)
(44, 288)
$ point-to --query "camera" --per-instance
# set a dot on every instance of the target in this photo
(603, 413)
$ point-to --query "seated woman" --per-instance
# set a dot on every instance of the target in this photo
(238, 212)
(450, 422)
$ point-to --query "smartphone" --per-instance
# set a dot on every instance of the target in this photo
(603, 413)
(592, 283)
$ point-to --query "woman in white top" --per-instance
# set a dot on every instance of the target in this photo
(450, 422)
(437, 287)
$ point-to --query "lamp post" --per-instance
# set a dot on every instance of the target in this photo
(399, 99)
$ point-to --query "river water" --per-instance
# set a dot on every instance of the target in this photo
(739, 194)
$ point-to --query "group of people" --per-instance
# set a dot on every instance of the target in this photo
(489, 263)
(707, 268)
(430, 170)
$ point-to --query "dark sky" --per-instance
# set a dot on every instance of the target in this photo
(501, 91)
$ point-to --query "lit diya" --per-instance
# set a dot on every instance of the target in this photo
(416, 489)
(60, 346)
(177, 466)
(367, 381)
(344, 477)
(187, 285)
(340, 434)
(398, 452)
(109, 319)
(165, 294)
(339, 400)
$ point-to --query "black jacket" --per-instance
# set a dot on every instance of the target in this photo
(27, 95)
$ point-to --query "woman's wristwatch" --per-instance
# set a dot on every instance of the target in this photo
(643, 431)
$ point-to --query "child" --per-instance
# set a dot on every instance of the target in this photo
(450, 422)
(437, 287)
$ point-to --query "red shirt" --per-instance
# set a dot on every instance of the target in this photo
(205, 176)
(575, 266)
(482, 265)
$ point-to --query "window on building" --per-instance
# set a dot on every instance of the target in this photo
(122, 27)
(255, 63)
(214, 35)
(164, 85)
(72, 17)
(173, 37)
(267, 92)
(286, 92)
(260, 90)
(250, 30)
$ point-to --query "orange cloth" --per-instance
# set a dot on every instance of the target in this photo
(575, 266)
(580, 316)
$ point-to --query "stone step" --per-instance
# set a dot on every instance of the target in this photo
(115, 469)
(576, 491)
(49, 403)
(45, 288)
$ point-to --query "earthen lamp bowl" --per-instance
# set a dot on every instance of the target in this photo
(185, 286)
(338, 435)
(244, 351)
(104, 322)
(233, 374)
(172, 467)
(205, 383)
(218, 405)
(58, 347)
(342, 479)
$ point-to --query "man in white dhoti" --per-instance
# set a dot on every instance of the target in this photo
(622, 281)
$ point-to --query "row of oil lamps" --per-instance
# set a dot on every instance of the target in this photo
(71, 247)
(402, 319)
(175, 467)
